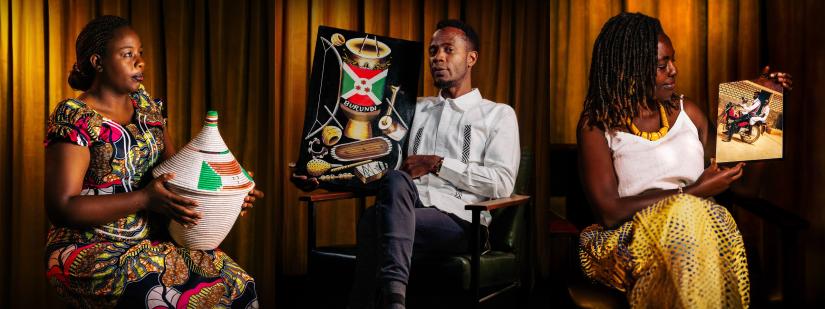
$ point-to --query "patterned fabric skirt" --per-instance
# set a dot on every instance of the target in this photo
(148, 274)
(682, 252)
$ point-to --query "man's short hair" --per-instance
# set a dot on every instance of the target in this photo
(469, 33)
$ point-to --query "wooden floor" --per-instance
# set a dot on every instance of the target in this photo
(295, 292)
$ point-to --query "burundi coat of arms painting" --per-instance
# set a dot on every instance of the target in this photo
(361, 101)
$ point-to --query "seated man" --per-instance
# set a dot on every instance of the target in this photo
(463, 149)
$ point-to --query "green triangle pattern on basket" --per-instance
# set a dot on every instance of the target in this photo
(246, 174)
(209, 179)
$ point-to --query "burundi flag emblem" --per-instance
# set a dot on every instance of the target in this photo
(363, 87)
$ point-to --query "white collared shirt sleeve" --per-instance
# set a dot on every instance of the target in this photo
(496, 177)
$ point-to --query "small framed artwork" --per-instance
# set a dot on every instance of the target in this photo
(361, 101)
(749, 123)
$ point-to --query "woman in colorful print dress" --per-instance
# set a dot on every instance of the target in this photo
(107, 246)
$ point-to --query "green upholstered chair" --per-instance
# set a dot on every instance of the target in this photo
(441, 280)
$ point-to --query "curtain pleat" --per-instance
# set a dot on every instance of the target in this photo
(25, 224)
(5, 152)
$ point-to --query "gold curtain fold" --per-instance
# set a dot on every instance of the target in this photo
(22, 172)
(573, 30)
(5, 152)
(251, 61)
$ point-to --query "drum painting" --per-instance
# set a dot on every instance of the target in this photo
(361, 101)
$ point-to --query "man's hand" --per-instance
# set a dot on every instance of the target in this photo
(420, 165)
(303, 182)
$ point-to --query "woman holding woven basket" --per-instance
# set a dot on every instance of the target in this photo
(103, 250)
(641, 154)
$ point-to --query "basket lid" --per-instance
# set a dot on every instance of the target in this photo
(206, 165)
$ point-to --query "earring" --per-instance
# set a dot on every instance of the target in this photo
(100, 68)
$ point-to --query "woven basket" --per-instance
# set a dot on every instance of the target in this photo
(206, 171)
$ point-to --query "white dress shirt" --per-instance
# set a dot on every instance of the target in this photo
(479, 142)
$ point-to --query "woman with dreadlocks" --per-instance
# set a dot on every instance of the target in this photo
(103, 250)
(641, 154)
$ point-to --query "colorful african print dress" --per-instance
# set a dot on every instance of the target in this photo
(119, 264)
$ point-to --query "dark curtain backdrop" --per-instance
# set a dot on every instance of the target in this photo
(251, 60)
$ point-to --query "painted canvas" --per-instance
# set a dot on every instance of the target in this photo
(361, 101)
(750, 122)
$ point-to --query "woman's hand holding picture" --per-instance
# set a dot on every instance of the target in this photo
(715, 179)
(775, 80)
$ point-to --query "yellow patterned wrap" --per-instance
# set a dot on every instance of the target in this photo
(682, 252)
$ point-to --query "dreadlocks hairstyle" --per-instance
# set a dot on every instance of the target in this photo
(469, 33)
(623, 70)
(92, 40)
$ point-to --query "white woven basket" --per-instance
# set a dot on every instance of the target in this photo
(219, 213)
(206, 171)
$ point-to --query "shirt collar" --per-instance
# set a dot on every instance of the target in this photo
(462, 103)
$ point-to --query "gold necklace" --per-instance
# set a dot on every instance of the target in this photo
(652, 136)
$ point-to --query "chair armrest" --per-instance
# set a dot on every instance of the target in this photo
(475, 236)
(328, 196)
(513, 200)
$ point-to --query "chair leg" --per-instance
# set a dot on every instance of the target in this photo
(793, 269)
(310, 233)
(475, 259)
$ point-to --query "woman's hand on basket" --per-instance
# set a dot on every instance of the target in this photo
(249, 200)
(165, 202)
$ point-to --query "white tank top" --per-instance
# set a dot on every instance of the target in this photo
(675, 160)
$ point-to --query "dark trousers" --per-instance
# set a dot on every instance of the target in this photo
(389, 232)
(733, 126)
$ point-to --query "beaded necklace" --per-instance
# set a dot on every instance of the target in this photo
(652, 136)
